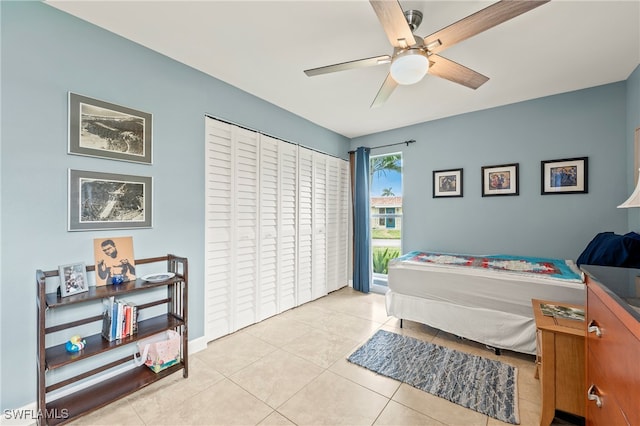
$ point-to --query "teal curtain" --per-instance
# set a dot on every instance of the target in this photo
(361, 226)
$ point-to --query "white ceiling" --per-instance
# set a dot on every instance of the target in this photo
(262, 47)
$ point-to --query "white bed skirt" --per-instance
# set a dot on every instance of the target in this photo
(494, 328)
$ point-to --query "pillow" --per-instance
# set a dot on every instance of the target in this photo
(611, 249)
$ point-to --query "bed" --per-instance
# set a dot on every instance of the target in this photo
(486, 299)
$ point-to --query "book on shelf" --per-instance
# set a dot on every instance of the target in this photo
(119, 319)
(133, 318)
(107, 314)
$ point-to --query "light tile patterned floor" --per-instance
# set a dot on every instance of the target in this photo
(292, 370)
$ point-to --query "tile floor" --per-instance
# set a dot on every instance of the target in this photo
(292, 370)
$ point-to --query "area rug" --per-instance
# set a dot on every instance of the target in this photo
(484, 385)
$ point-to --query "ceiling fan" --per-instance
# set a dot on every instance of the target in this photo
(414, 56)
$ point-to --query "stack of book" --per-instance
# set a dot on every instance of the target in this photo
(119, 320)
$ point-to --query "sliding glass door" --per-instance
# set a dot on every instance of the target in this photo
(386, 215)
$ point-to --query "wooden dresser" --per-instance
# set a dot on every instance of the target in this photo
(613, 345)
(560, 363)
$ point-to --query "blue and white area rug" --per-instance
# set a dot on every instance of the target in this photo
(486, 386)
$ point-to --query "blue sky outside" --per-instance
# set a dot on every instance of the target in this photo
(387, 179)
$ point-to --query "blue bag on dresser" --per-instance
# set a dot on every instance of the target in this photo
(609, 249)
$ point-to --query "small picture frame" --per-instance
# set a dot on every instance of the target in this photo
(108, 201)
(564, 176)
(106, 130)
(500, 180)
(73, 279)
(447, 183)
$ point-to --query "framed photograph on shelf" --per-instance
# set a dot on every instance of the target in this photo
(500, 180)
(108, 201)
(447, 183)
(565, 176)
(106, 130)
(73, 279)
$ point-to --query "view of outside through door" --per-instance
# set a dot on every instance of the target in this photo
(386, 214)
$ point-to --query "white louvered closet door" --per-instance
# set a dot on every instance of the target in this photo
(232, 209)
(246, 253)
(319, 283)
(333, 217)
(287, 226)
(276, 227)
(342, 251)
(269, 229)
(305, 225)
(219, 189)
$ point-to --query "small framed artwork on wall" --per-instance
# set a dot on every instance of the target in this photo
(565, 176)
(447, 183)
(500, 180)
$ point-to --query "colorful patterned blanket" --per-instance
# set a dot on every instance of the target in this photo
(540, 267)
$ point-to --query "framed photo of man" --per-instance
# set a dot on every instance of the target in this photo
(114, 259)
(73, 279)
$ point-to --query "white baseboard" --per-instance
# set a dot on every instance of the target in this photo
(197, 345)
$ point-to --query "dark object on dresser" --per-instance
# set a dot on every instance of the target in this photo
(609, 249)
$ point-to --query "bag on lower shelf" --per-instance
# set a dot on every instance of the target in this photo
(159, 351)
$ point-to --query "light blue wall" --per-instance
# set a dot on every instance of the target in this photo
(45, 54)
(587, 123)
(633, 122)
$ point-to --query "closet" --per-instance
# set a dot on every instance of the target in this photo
(277, 231)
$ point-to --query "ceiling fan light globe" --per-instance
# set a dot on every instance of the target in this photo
(409, 67)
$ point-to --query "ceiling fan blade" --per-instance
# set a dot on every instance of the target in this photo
(368, 62)
(393, 22)
(453, 71)
(478, 22)
(385, 91)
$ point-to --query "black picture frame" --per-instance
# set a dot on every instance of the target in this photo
(500, 180)
(448, 183)
(106, 130)
(564, 176)
(100, 201)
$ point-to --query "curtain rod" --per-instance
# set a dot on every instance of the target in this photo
(391, 144)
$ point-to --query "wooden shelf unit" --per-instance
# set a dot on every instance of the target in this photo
(88, 399)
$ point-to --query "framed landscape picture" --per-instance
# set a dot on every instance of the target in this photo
(108, 201)
(103, 129)
(500, 180)
(447, 183)
(565, 176)
(73, 279)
